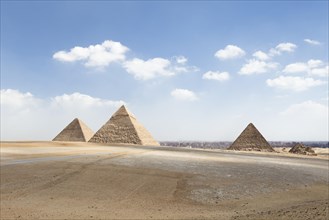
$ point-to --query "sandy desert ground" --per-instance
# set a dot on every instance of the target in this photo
(46, 180)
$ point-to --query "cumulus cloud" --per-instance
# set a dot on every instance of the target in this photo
(219, 76)
(254, 66)
(17, 100)
(286, 47)
(314, 63)
(99, 55)
(230, 52)
(184, 95)
(156, 67)
(261, 55)
(297, 84)
(311, 67)
(149, 69)
(282, 47)
(313, 42)
(322, 72)
(82, 100)
(26, 117)
(296, 68)
(102, 55)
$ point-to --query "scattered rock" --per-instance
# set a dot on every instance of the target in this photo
(301, 149)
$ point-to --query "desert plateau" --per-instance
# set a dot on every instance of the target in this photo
(76, 180)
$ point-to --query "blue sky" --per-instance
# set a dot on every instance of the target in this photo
(187, 70)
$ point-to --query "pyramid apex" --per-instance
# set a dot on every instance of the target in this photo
(123, 111)
(123, 107)
(77, 120)
(251, 126)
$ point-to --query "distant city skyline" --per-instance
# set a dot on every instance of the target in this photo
(198, 70)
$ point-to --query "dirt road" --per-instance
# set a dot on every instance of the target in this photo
(84, 181)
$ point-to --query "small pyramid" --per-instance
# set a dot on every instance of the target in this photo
(301, 149)
(75, 131)
(123, 128)
(251, 139)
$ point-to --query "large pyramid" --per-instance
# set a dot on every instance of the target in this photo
(251, 139)
(75, 131)
(123, 128)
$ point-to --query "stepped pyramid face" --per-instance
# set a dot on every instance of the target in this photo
(123, 128)
(251, 139)
(75, 131)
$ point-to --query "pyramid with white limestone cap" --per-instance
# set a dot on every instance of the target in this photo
(123, 128)
(251, 140)
(75, 131)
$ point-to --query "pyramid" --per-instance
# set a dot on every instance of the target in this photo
(251, 140)
(301, 149)
(123, 128)
(75, 131)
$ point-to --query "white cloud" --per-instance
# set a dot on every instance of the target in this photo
(230, 52)
(286, 47)
(219, 76)
(323, 72)
(261, 55)
(145, 70)
(82, 100)
(294, 83)
(273, 52)
(282, 47)
(254, 66)
(184, 94)
(75, 54)
(179, 65)
(311, 67)
(296, 68)
(313, 42)
(25, 117)
(99, 55)
(156, 67)
(17, 100)
(184, 69)
(314, 63)
(181, 59)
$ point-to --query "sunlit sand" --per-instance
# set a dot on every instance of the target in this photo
(80, 180)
